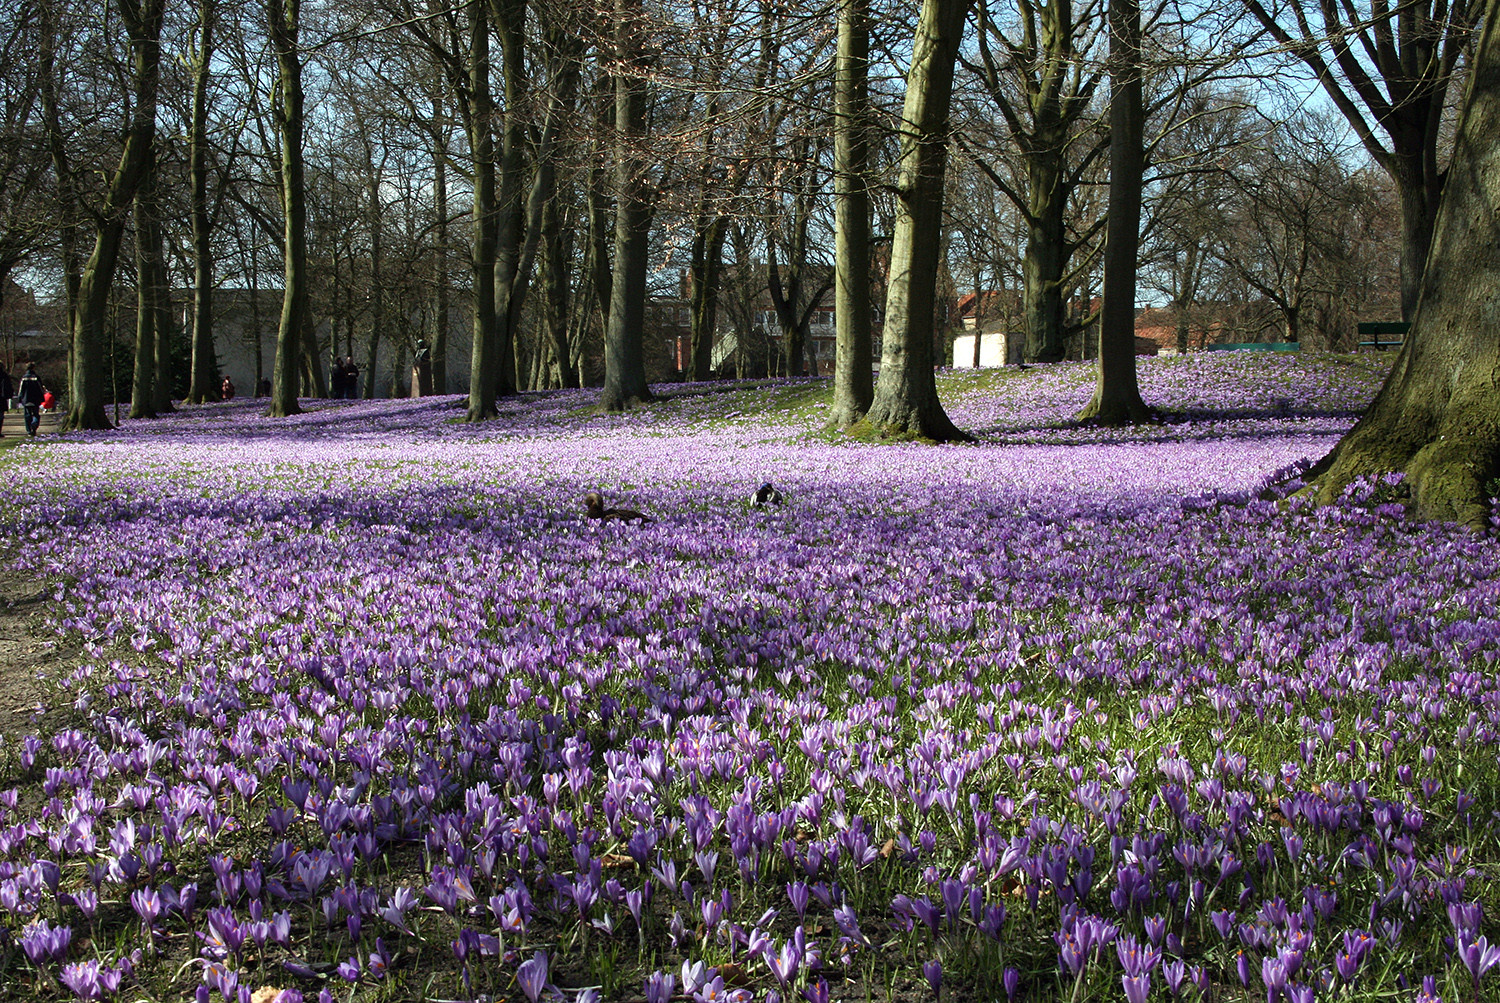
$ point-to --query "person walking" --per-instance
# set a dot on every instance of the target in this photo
(31, 393)
(7, 391)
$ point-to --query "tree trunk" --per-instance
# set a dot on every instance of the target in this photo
(624, 345)
(283, 17)
(1420, 188)
(509, 19)
(1438, 415)
(1117, 396)
(485, 351)
(86, 407)
(853, 379)
(786, 298)
(1187, 292)
(1045, 262)
(906, 401)
(143, 376)
(69, 231)
(438, 340)
(203, 383)
(707, 269)
(377, 261)
(161, 304)
(557, 258)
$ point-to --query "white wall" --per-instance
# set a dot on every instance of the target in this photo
(995, 349)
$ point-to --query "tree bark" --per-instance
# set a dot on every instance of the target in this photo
(484, 351)
(624, 345)
(438, 340)
(557, 256)
(1045, 263)
(707, 269)
(283, 17)
(906, 401)
(1117, 395)
(161, 304)
(86, 408)
(1437, 418)
(203, 383)
(509, 20)
(143, 376)
(69, 231)
(853, 376)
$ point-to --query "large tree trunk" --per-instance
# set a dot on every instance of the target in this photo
(203, 383)
(1438, 415)
(283, 17)
(438, 340)
(1117, 395)
(143, 376)
(1419, 184)
(161, 303)
(853, 379)
(86, 406)
(509, 19)
(624, 345)
(707, 267)
(485, 350)
(557, 257)
(906, 401)
(1045, 263)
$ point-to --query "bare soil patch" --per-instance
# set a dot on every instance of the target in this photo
(27, 648)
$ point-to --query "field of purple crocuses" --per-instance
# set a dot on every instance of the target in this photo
(359, 705)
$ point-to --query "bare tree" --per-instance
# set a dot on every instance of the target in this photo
(624, 358)
(906, 400)
(143, 21)
(1387, 69)
(204, 384)
(1438, 415)
(853, 382)
(1042, 74)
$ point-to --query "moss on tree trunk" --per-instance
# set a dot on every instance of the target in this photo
(1438, 416)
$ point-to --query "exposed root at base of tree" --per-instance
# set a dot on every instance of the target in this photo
(910, 426)
(1117, 414)
(1450, 479)
(841, 419)
(91, 419)
(626, 403)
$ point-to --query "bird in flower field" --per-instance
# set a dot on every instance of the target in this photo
(765, 495)
(594, 502)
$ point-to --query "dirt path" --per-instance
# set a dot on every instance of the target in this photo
(24, 643)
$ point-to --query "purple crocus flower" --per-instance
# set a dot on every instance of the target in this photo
(1478, 955)
(818, 992)
(660, 986)
(40, 941)
(932, 971)
(532, 976)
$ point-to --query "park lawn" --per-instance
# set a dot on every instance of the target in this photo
(359, 703)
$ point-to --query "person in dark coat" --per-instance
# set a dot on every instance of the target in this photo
(7, 391)
(31, 392)
(336, 382)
